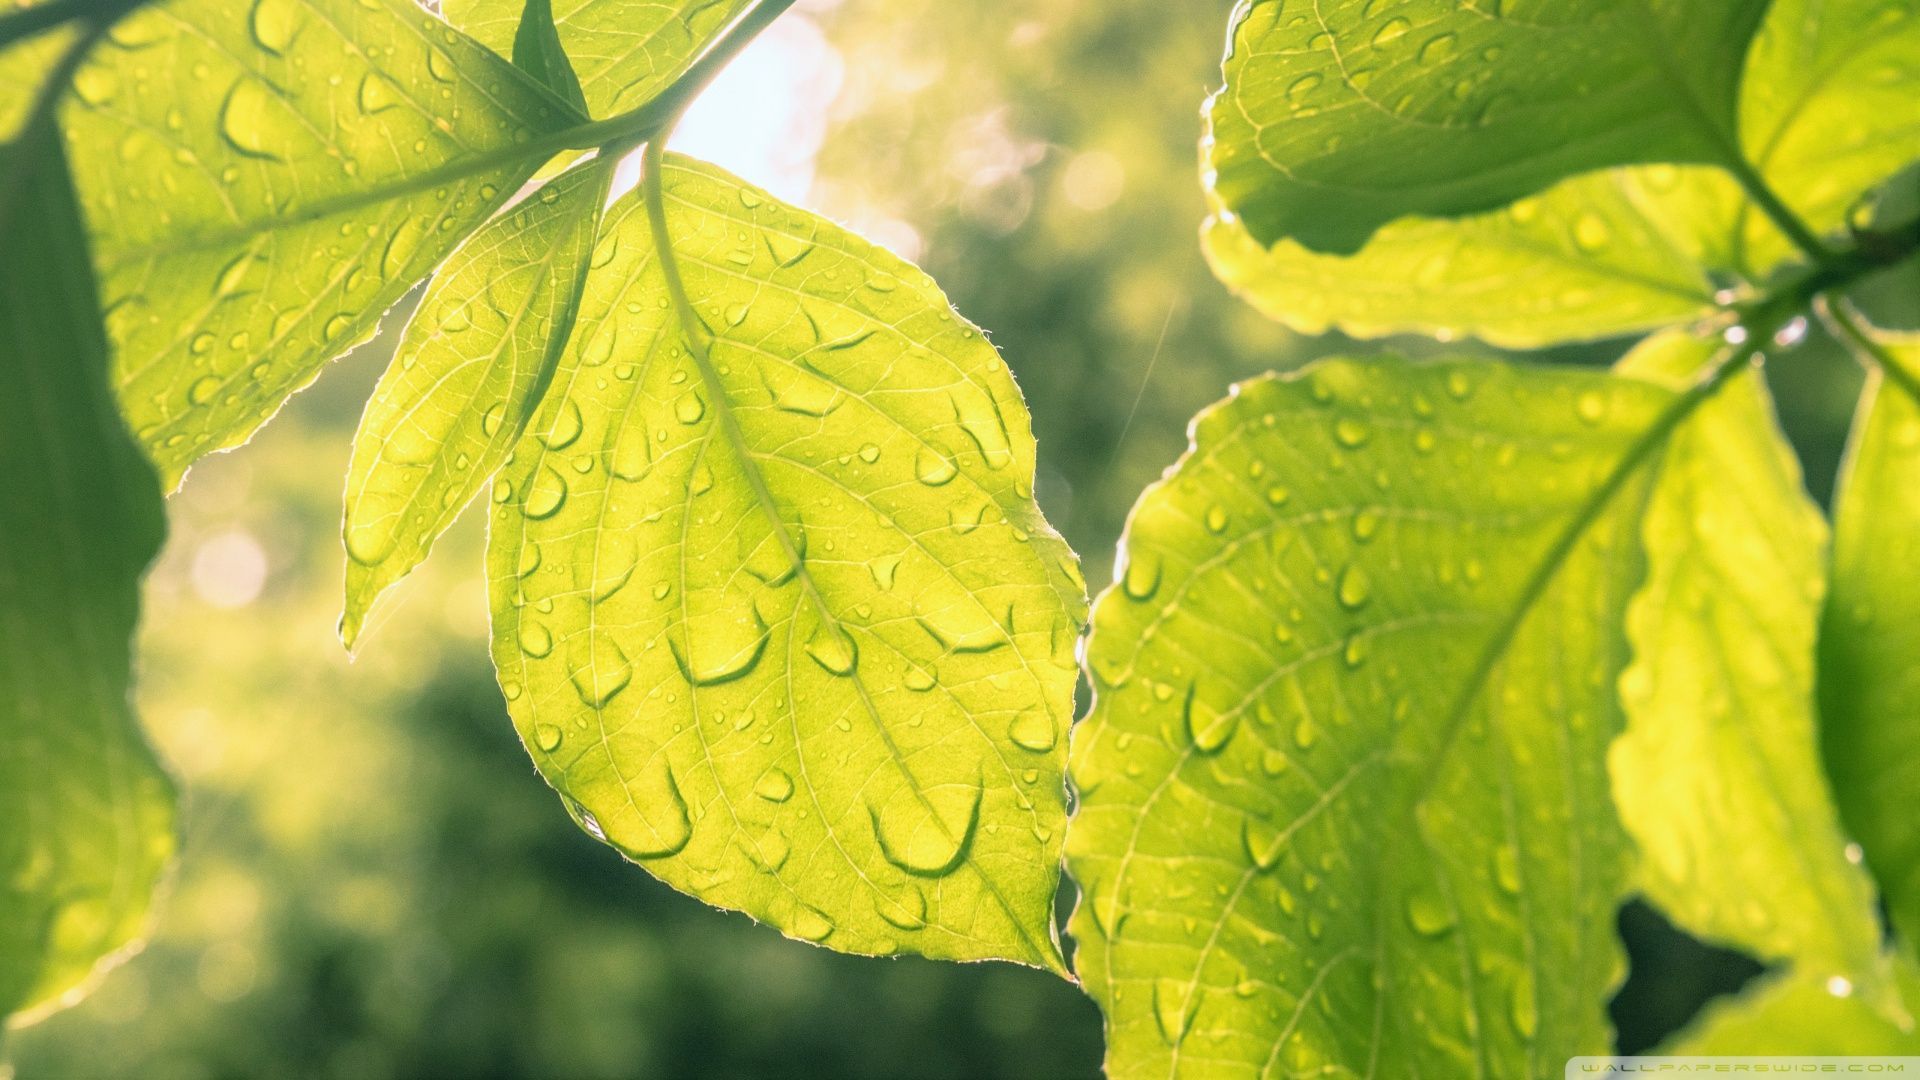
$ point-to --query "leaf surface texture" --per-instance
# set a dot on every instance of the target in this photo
(823, 675)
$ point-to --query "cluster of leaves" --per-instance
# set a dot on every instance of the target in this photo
(1411, 674)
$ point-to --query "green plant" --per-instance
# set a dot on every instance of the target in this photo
(1412, 672)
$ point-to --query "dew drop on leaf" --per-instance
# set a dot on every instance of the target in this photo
(1033, 730)
(774, 785)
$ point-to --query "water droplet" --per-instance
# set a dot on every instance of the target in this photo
(917, 680)
(1355, 653)
(870, 453)
(251, 120)
(786, 250)
(927, 832)
(809, 924)
(599, 668)
(802, 392)
(1298, 89)
(1356, 588)
(883, 568)
(649, 820)
(1590, 232)
(1265, 844)
(203, 389)
(547, 737)
(722, 644)
(933, 467)
(1459, 385)
(1170, 1008)
(1506, 868)
(908, 911)
(1142, 577)
(566, 426)
(1273, 762)
(737, 313)
(535, 641)
(774, 786)
(1591, 406)
(1392, 31)
(701, 481)
(962, 624)
(833, 649)
(545, 497)
(1210, 730)
(1032, 729)
(441, 65)
(965, 517)
(689, 408)
(1428, 915)
(376, 94)
(1438, 48)
(1217, 519)
(1525, 1011)
(275, 23)
(1351, 433)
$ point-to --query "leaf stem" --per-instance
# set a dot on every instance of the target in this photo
(628, 129)
(1777, 210)
(1847, 322)
(1767, 320)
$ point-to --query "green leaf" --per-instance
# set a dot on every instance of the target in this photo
(229, 159)
(538, 52)
(804, 649)
(1592, 257)
(473, 364)
(624, 51)
(23, 67)
(1343, 798)
(1718, 775)
(1341, 116)
(86, 814)
(1800, 1014)
(1869, 678)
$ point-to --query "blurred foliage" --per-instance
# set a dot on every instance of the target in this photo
(374, 882)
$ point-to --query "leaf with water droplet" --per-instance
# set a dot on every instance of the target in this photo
(86, 812)
(622, 53)
(1729, 802)
(1867, 666)
(466, 396)
(1308, 165)
(902, 677)
(1321, 797)
(302, 117)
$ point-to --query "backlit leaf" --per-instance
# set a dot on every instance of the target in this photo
(1803, 1014)
(623, 51)
(225, 152)
(1343, 115)
(1870, 638)
(538, 52)
(86, 815)
(1589, 258)
(828, 682)
(23, 66)
(480, 350)
(1343, 798)
(1718, 775)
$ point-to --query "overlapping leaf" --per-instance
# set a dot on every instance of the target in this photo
(1827, 111)
(1343, 802)
(232, 157)
(24, 65)
(1870, 638)
(481, 349)
(803, 647)
(85, 813)
(1341, 116)
(1802, 1015)
(1718, 775)
(623, 51)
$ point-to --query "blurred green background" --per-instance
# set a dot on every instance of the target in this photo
(374, 883)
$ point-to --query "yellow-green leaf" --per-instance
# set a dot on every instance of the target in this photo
(231, 159)
(1803, 1014)
(803, 647)
(1343, 797)
(473, 363)
(1870, 638)
(1340, 116)
(1718, 775)
(623, 51)
(86, 814)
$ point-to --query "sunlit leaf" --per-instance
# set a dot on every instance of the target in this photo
(851, 721)
(1870, 639)
(1718, 775)
(1340, 116)
(538, 52)
(86, 814)
(481, 349)
(623, 51)
(1803, 1014)
(1592, 257)
(24, 65)
(223, 151)
(1343, 797)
